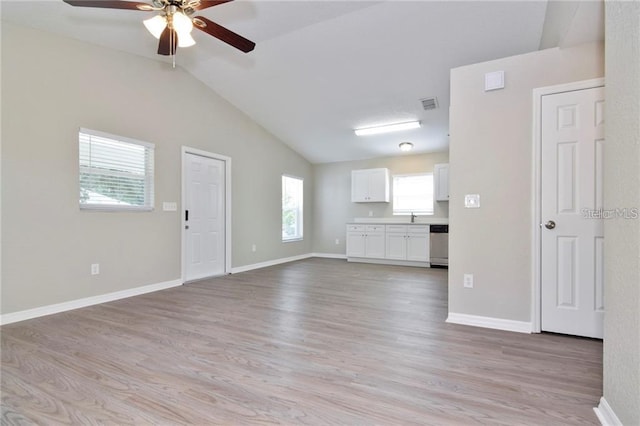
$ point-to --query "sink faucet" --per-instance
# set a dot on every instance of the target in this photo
(413, 217)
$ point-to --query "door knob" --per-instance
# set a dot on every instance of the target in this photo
(550, 224)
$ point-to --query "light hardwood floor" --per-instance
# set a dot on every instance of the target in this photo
(317, 341)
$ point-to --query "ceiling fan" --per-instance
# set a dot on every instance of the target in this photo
(173, 25)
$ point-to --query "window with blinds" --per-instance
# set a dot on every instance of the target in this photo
(413, 194)
(116, 173)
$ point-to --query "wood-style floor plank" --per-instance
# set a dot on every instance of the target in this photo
(318, 341)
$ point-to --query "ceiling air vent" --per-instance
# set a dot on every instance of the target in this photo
(429, 103)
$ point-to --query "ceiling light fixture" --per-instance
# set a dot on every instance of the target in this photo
(181, 23)
(183, 26)
(387, 128)
(406, 146)
(155, 25)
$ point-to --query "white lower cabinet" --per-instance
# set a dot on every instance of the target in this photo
(408, 242)
(365, 241)
(399, 244)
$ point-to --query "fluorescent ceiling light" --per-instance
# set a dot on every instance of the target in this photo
(388, 128)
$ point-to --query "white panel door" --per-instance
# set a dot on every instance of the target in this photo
(572, 233)
(204, 217)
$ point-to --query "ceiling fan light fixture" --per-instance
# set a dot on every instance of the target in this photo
(183, 26)
(156, 25)
(185, 40)
(387, 128)
(182, 23)
(405, 146)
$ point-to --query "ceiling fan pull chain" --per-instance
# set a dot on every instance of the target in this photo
(173, 47)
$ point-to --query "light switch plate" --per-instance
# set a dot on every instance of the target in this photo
(494, 80)
(472, 201)
(169, 206)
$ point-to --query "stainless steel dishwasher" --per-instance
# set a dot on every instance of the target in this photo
(439, 245)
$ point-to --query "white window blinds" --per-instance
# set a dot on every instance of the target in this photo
(116, 173)
(413, 194)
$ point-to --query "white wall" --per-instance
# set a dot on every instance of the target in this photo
(491, 154)
(51, 87)
(332, 192)
(622, 189)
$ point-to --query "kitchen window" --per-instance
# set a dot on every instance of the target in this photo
(116, 173)
(413, 194)
(292, 196)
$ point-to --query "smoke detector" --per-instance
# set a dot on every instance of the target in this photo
(429, 103)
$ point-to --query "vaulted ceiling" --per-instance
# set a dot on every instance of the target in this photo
(323, 68)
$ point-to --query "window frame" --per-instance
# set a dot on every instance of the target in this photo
(417, 212)
(299, 209)
(148, 178)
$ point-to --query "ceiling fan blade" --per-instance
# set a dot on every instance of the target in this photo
(111, 4)
(168, 42)
(205, 4)
(220, 32)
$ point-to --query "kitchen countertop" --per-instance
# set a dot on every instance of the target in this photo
(401, 221)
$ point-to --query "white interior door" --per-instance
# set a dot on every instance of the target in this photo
(204, 212)
(572, 234)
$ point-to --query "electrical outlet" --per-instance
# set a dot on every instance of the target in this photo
(337, 241)
(95, 269)
(253, 247)
(468, 280)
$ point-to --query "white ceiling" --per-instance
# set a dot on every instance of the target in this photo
(322, 68)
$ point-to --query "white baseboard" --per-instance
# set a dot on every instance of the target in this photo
(606, 415)
(274, 262)
(82, 303)
(489, 322)
(389, 262)
(109, 297)
(268, 263)
(329, 255)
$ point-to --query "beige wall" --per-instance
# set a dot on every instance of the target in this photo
(51, 87)
(333, 206)
(491, 154)
(622, 189)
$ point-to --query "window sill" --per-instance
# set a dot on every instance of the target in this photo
(292, 240)
(104, 208)
(417, 214)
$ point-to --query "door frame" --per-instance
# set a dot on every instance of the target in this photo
(536, 226)
(227, 208)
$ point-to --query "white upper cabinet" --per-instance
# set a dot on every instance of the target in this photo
(441, 182)
(370, 186)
